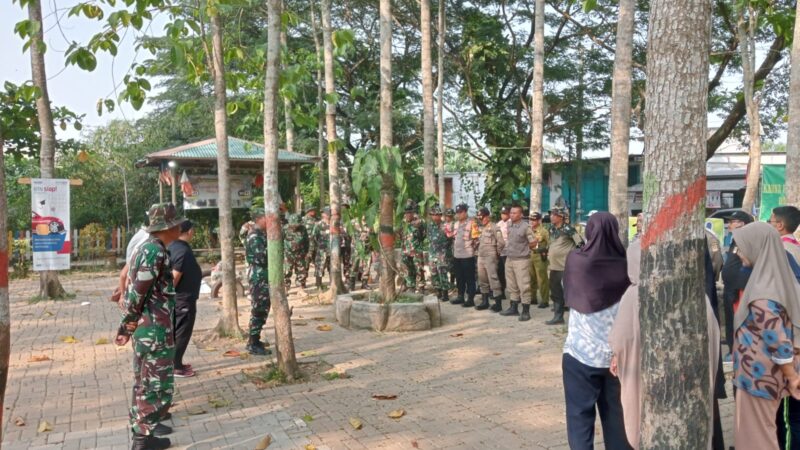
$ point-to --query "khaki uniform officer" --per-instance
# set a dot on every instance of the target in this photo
(538, 268)
(563, 239)
(518, 254)
(490, 244)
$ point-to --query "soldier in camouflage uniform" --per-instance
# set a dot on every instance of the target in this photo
(412, 235)
(450, 230)
(321, 243)
(148, 306)
(295, 250)
(345, 246)
(438, 246)
(256, 255)
(310, 221)
(361, 254)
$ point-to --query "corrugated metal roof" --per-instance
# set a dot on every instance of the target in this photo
(238, 149)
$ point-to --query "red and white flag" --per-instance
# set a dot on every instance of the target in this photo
(186, 185)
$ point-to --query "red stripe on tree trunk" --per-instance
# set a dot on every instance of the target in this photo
(674, 209)
(3, 269)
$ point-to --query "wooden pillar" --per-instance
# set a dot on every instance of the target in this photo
(298, 207)
(174, 186)
(160, 191)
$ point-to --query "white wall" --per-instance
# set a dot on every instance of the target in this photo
(468, 188)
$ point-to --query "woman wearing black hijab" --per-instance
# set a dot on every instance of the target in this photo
(595, 278)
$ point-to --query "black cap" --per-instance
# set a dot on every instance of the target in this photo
(739, 215)
(505, 210)
(535, 216)
(484, 212)
(462, 207)
(186, 226)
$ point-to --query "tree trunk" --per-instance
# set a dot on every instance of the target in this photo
(429, 181)
(5, 310)
(386, 231)
(676, 404)
(792, 185)
(537, 108)
(337, 285)
(49, 285)
(621, 118)
(284, 344)
(287, 103)
(228, 324)
(746, 33)
(320, 112)
(440, 105)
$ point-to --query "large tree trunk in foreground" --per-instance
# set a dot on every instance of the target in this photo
(427, 100)
(745, 29)
(792, 186)
(537, 108)
(621, 118)
(337, 285)
(5, 310)
(49, 285)
(440, 106)
(228, 324)
(284, 344)
(386, 231)
(676, 403)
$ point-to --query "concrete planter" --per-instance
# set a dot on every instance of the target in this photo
(351, 312)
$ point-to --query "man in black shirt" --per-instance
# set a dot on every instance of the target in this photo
(187, 274)
(733, 278)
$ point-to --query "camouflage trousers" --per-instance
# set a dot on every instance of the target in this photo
(259, 307)
(413, 267)
(346, 253)
(440, 271)
(359, 266)
(321, 263)
(153, 383)
(310, 256)
(297, 264)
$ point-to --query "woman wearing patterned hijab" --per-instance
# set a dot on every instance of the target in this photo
(766, 324)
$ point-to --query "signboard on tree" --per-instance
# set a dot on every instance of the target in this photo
(773, 177)
(50, 226)
(205, 192)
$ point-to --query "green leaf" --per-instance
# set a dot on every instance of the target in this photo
(232, 108)
(589, 5)
(110, 105)
(332, 98)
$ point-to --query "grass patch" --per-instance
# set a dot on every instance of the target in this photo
(269, 375)
(38, 298)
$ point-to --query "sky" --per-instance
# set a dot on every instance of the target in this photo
(70, 86)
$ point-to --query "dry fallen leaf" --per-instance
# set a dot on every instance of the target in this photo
(69, 340)
(318, 319)
(210, 349)
(497, 354)
(44, 427)
(311, 447)
(101, 341)
(264, 443)
(196, 411)
(299, 323)
(38, 358)
(324, 328)
(231, 353)
(397, 413)
(309, 353)
(19, 422)
(414, 444)
(384, 396)
(48, 313)
(356, 423)
(457, 335)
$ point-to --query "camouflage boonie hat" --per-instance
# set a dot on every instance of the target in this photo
(435, 210)
(411, 206)
(255, 213)
(558, 212)
(449, 212)
(163, 216)
(293, 219)
(535, 216)
(326, 210)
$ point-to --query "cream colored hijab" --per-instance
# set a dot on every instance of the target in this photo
(772, 278)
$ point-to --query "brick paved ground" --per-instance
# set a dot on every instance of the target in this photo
(496, 386)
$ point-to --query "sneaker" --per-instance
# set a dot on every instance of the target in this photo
(185, 372)
(161, 430)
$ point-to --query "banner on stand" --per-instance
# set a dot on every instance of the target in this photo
(50, 226)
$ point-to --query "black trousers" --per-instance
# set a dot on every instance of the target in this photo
(794, 423)
(557, 292)
(501, 273)
(728, 299)
(185, 313)
(465, 276)
(587, 390)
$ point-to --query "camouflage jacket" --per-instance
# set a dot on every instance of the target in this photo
(150, 297)
(438, 242)
(256, 255)
(321, 237)
(412, 235)
(295, 241)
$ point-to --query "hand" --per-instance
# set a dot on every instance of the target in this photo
(794, 386)
(614, 369)
(121, 339)
(131, 326)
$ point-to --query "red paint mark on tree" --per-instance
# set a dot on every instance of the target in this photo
(674, 209)
(273, 226)
(3, 269)
(387, 240)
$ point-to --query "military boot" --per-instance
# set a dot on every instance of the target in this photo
(161, 430)
(457, 301)
(255, 347)
(365, 283)
(470, 301)
(319, 283)
(484, 302)
(149, 442)
(498, 304)
(526, 313)
(512, 310)
(445, 295)
(352, 286)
